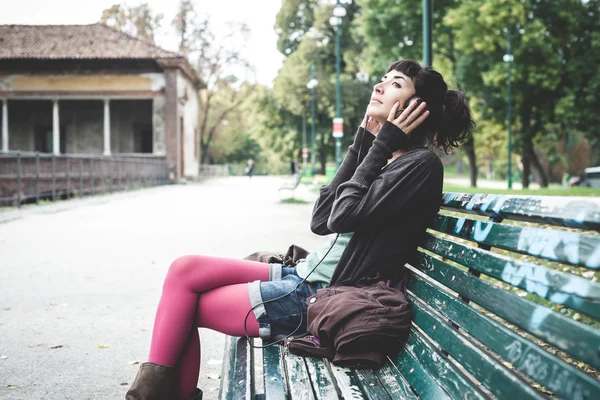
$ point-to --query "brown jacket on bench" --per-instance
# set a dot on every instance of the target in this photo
(355, 326)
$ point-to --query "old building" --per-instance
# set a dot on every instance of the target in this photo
(90, 89)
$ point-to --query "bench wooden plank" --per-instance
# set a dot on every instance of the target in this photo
(346, 382)
(558, 287)
(550, 371)
(407, 365)
(371, 385)
(297, 378)
(237, 373)
(272, 373)
(323, 384)
(574, 338)
(397, 386)
(495, 376)
(567, 247)
(446, 374)
(573, 212)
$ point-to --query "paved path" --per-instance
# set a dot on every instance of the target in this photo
(81, 279)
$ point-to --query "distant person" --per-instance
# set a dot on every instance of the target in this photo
(294, 166)
(386, 192)
(249, 168)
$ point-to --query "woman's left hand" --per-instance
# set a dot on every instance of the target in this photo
(410, 118)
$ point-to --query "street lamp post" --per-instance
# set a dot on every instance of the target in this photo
(508, 58)
(339, 12)
(312, 85)
(427, 53)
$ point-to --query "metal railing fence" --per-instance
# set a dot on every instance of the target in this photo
(28, 177)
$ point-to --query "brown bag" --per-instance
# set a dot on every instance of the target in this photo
(290, 259)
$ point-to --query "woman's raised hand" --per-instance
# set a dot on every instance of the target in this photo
(370, 124)
(410, 118)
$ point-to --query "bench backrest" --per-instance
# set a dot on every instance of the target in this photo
(505, 287)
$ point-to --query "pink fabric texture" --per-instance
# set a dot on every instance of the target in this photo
(207, 292)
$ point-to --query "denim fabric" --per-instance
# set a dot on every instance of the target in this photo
(286, 312)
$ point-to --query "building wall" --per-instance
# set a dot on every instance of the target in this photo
(83, 82)
(82, 113)
(82, 124)
(158, 125)
(82, 119)
(130, 120)
(188, 109)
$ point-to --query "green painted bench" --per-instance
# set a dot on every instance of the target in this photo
(505, 304)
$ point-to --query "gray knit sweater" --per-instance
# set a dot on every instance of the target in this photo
(388, 207)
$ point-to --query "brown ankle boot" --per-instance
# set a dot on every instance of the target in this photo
(197, 395)
(153, 382)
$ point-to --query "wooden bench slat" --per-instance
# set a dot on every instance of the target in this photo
(495, 376)
(371, 385)
(574, 338)
(346, 382)
(560, 211)
(555, 286)
(323, 385)
(272, 374)
(237, 373)
(297, 378)
(550, 371)
(446, 374)
(407, 365)
(398, 387)
(571, 248)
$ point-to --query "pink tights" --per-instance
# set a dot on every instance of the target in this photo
(207, 292)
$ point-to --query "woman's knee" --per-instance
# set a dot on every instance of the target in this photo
(181, 269)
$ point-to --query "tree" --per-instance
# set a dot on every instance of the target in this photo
(139, 21)
(542, 32)
(294, 20)
(215, 61)
(394, 30)
(306, 37)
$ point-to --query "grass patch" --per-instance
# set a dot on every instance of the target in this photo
(551, 191)
(293, 200)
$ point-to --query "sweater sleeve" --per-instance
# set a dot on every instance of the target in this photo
(370, 198)
(355, 156)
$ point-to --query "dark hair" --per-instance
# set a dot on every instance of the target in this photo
(449, 122)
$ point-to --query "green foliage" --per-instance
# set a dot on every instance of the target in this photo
(555, 75)
(294, 20)
(306, 37)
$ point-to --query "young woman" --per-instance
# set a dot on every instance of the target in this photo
(382, 198)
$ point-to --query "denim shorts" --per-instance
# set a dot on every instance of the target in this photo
(280, 318)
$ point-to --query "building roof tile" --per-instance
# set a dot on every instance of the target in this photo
(95, 41)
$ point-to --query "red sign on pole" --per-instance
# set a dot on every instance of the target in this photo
(304, 153)
(338, 127)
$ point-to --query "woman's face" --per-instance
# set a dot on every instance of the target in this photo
(393, 87)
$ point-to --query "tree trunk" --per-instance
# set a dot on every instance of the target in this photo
(526, 171)
(527, 152)
(526, 141)
(323, 161)
(469, 147)
(204, 153)
(535, 161)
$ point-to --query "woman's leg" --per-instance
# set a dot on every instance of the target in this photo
(223, 309)
(180, 305)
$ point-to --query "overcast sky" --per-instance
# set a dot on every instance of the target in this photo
(258, 14)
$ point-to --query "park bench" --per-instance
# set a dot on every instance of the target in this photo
(504, 307)
(292, 186)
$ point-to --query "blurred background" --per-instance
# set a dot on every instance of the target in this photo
(108, 96)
